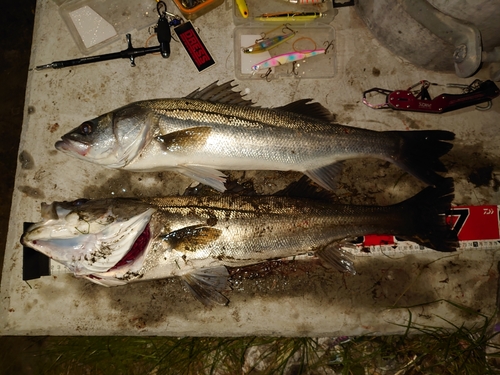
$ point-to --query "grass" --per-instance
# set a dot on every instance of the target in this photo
(421, 350)
(168, 355)
(428, 350)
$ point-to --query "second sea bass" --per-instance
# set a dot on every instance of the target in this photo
(217, 129)
(117, 241)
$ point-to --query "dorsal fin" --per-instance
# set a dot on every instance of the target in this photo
(220, 94)
(306, 108)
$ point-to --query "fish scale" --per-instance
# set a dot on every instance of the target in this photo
(259, 128)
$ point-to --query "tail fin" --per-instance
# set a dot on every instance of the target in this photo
(420, 151)
(428, 217)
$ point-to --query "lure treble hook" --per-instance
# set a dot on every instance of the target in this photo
(266, 75)
(286, 26)
(328, 45)
(295, 69)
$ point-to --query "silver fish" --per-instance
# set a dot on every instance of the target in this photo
(117, 241)
(217, 129)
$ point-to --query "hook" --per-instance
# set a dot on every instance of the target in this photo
(264, 34)
(485, 108)
(286, 26)
(328, 45)
(295, 69)
(267, 74)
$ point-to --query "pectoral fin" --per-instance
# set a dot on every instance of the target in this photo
(207, 284)
(337, 257)
(205, 175)
(185, 140)
(192, 238)
(326, 176)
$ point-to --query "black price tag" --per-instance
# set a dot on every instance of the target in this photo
(194, 46)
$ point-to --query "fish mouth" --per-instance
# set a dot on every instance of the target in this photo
(134, 254)
(96, 244)
(70, 146)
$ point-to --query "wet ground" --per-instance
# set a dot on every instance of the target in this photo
(15, 46)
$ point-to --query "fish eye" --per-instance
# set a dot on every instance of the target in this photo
(79, 202)
(86, 128)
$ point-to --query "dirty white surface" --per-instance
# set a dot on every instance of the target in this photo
(290, 299)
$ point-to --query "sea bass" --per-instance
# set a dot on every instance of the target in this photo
(116, 241)
(217, 129)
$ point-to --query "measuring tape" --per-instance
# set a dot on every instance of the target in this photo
(477, 228)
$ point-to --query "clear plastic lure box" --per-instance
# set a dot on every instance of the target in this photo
(312, 33)
(311, 37)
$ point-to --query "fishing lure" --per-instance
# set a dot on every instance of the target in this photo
(243, 8)
(265, 44)
(290, 16)
(290, 57)
(286, 58)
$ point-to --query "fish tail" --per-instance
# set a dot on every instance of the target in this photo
(419, 153)
(425, 214)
